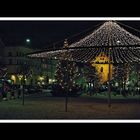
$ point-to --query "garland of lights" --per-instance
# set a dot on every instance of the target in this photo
(88, 48)
(109, 34)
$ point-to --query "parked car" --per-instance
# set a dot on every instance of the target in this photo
(28, 89)
(47, 90)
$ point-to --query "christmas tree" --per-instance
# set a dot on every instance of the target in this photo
(92, 78)
(121, 76)
(66, 71)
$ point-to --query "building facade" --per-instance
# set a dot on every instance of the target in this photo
(18, 64)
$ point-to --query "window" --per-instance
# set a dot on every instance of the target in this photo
(9, 53)
(10, 61)
(21, 54)
(18, 62)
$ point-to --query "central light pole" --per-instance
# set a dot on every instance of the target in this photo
(109, 73)
(109, 78)
(23, 89)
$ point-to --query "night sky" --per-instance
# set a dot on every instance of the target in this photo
(44, 33)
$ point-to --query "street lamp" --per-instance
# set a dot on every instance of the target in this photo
(28, 41)
(20, 77)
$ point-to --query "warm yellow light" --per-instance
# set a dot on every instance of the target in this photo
(102, 67)
(43, 83)
(41, 78)
(13, 77)
(103, 71)
(51, 81)
(20, 77)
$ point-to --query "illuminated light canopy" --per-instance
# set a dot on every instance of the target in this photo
(108, 34)
(125, 47)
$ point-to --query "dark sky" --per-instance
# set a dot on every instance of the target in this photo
(44, 33)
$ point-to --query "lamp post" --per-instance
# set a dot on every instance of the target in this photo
(67, 88)
(24, 81)
(20, 84)
(23, 86)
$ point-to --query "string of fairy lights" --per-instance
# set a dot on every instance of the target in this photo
(109, 31)
(125, 47)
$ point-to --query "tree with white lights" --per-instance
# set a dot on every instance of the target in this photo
(92, 78)
(66, 71)
(121, 75)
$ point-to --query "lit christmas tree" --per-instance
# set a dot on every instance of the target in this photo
(92, 78)
(121, 75)
(134, 76)
(66, 71)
